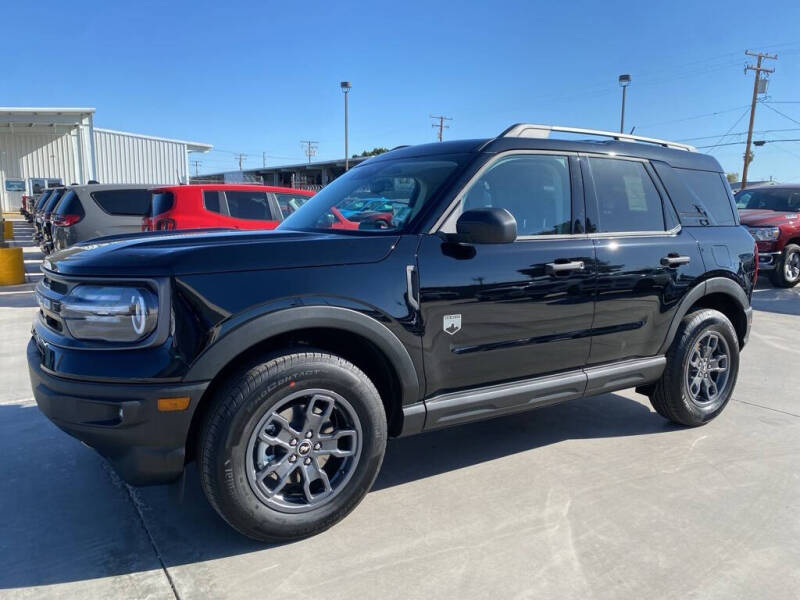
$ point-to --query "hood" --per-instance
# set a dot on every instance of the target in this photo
(185, 253)
(766, 218)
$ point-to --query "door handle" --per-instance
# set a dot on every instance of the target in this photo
(673, 260)
(563, 267)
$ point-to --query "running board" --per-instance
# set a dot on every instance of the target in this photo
(499, 400)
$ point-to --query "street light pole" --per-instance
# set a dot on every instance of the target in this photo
(624, 82)
(346, 85)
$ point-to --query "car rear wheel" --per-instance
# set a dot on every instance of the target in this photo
(291, 445)
(701, 371)
(786, 273)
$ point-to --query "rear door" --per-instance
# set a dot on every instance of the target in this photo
(646, 261)
(495, 313)
(249, 210)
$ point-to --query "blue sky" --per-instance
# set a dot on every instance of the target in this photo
(257, 77)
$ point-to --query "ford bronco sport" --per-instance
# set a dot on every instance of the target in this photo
(516, 272)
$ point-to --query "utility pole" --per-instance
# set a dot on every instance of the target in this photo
(196, 164)
(441, 126)
(241, 157)
(310, 148)
(758, 70)
(346, 87)
(264, 160)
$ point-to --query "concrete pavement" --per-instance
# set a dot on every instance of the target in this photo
(597, 498)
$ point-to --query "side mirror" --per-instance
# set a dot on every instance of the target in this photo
(489, 225)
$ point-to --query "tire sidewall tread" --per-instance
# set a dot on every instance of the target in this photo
(243, 400)
(669, 397)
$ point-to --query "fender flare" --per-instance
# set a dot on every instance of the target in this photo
(714, 285)
(262, 327)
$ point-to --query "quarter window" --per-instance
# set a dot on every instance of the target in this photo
(535, 189)
(627, 199)
(211, 200)
(708, 190)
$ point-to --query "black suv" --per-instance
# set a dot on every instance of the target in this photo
(516, 272)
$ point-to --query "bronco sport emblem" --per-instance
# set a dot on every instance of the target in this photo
(452, 324)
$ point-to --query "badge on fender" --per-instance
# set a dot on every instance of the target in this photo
(452, 324)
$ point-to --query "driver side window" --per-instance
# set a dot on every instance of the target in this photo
(534, 188)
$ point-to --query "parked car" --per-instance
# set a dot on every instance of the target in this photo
(221, 205)
(26, 207)
(41, 221)
(96, 210)
(525, 271)
(771, 215)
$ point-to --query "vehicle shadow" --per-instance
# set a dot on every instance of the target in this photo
(768, 298)
(75, 521)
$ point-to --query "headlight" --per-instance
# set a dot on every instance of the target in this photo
(111, 313)
(765, 234)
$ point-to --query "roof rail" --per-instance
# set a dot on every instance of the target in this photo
(530, 130)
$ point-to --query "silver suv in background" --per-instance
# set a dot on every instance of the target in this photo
(90, 211)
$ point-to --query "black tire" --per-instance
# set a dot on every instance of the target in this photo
(254, 394)
(782, 277)
(671, 396)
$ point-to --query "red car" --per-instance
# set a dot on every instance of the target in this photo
(232, 206)
(772, 215)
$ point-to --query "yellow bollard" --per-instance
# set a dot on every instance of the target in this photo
(8, 230)
(12, 266)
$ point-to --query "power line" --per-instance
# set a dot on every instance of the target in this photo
(196, 164)
(441, 126)
(767, 104)
(711, 137)
(759, 86)
(727, 133)
(310, 148)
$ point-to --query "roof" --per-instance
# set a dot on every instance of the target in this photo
(674, 157)
(233, 186)
(191, 146)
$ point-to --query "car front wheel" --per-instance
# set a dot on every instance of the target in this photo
(291, 445)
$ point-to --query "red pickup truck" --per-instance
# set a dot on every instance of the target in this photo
(772, 215)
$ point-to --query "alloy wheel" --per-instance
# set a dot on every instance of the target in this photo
(708, 370)
(791, 266)
(304, 450)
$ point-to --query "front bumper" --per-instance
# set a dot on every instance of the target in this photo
(767, 260)
(119, 420)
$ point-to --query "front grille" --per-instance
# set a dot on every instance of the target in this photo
(49, 293)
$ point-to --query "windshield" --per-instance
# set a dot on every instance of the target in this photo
(782, 199)
(380, 196)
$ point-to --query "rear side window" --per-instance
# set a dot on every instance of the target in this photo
(133, 202)
(290, 202)
(161, 202)
(627, 198)
(707, 189)
(211, 200)
(70, 204)
(249, 205)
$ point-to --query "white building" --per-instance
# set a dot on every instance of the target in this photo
(62, 143)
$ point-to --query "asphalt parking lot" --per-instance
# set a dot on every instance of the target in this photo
(597, 498)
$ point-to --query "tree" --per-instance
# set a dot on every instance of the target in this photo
(732, 177)
(373, 152)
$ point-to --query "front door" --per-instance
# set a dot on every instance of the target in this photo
(495, 313)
